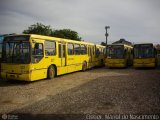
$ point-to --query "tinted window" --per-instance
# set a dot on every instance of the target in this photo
(93, 50)
(143, 51)
(83, 49)
(77, 49)
(61, 49)
(37, 52)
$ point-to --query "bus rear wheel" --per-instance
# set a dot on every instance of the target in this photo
(84, 66)
(51, 72)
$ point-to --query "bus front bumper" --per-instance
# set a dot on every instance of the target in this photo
(118, 65)
(141, 65)
(15, 76)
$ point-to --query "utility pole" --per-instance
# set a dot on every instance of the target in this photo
(107, 27)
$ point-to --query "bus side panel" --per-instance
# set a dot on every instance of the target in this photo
(39, 70)
(83, 58)
(74, 62)
(70, 63)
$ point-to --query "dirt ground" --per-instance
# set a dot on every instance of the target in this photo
(96, 91)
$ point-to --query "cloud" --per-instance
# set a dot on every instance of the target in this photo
(134, 20)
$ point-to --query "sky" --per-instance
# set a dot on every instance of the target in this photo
(137, 21)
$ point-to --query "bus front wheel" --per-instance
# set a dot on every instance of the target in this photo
(51, 72)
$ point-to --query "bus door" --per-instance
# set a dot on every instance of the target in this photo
(39, 68)
(62, 53)
(90, 51)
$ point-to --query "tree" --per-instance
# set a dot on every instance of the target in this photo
(41, 29)
(66, 33)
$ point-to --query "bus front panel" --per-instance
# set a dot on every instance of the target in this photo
(15, 72)
(144, 55)
(144, 62)
(115, 63)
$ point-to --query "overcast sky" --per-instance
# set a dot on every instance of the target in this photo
(137, 21)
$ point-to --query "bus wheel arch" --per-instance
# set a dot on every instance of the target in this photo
(52, 71)
(84, 66)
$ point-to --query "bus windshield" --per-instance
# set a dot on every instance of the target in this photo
(16, 52)
(115, 52)
(143, 51)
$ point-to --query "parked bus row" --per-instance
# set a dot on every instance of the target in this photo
(138, 55)
(34, 57)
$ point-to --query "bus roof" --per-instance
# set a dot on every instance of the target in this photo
(59, 39)
(53, 38)
(119, 45)
(97, 45)
(144, 44)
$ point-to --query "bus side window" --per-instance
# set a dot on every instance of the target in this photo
(77, 49)
(97, 52)
(37, 52)
(50, 48)
(70, 49)
(88, 51)
(83, 50)
(61, 50)
(93, 50)
(155, 51)
(38, 49)
(125, 53)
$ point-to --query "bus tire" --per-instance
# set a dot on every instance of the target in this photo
(51, 72)
(84, 66)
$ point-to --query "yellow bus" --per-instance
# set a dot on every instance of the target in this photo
(144, 55)
(34, 57)
(118, 55)
(99, 55)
